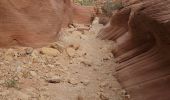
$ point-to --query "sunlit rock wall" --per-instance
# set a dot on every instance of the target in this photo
(36, 22)
(141, 31)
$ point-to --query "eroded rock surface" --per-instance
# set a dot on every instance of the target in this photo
(141, 34)
(36, 23)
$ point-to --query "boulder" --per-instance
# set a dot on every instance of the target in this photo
(36, 23)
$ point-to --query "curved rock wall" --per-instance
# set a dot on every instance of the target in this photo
(141, 32)
(34, 22)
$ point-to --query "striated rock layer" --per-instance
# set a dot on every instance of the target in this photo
(35, 22)
(141, 31)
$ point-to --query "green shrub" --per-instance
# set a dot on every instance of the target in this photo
(109, 6)
(11, 83)
(85, 2)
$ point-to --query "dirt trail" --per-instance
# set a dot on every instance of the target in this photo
(78, 67)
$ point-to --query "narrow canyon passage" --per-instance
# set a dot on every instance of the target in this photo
(110, 50)
(77, 67)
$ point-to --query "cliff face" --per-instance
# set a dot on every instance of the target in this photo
(35, 22)
(141, 32)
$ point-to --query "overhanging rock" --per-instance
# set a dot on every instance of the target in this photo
(141, 32)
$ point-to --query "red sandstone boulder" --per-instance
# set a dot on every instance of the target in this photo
(141, 32)
(36, 22)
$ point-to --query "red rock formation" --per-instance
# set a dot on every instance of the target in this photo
(82, 14)
(141, 32)
(35, 22)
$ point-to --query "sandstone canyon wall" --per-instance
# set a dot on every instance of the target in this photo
(35, 22)
(141, 31)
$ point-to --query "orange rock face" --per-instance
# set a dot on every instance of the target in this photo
(141, 32)
(33, 22)
(82, 14)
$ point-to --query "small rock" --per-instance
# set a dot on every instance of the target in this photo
(35, 54)
(95, 21)
(101, 89)
(19, 69)
(77, 32)
(85, 82)
(103, 97)
(51, 66)
(50, 51)
(75, 46)
(104, 84)
(82, 28)
(71, 52)
(86, 63)
(71, 26)
(21, 53)
(54, 79)
(123, 92)
(58, 46)
(33, 73)
(73, 81)
(96, 27)
(29, 50)
(71, 30)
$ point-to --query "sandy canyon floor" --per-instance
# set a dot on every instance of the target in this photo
(77, 67)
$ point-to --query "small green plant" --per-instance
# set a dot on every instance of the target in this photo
(109, 6)
(85, 2)
(11, 83)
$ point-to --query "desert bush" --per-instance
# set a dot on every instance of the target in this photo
(85, 2)
(109, 6)
(11, 83)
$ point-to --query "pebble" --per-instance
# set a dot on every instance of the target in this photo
(86, 63)
(71, 52)
(50, 51)
(54, 79)
(58, 46)
(73, 81)
(104, 84)
(33, 73)
(82, 28)
(85, 82)
(29, 50)
(71, 29)
(77, 32)
(103, 97)
(76, 46)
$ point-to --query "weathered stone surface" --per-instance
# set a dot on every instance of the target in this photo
(49, 51)
(83, 14)
(36, 23)
(141, 34)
